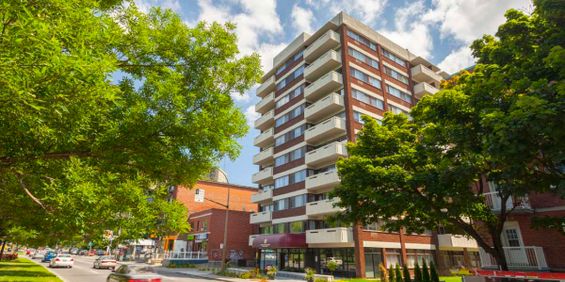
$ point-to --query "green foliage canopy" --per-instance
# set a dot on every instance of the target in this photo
(103, 107)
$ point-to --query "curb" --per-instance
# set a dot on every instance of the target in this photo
(202, 276)
(48, 269)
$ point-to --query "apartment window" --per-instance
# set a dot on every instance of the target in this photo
(419, 256)
(293, 134)
(396, 110)
(394, 58)
(296, 57)
(399, 93)
(367, 99)
(268, 229)
(357, 117)
(291, 77)
(268, 207)
(297, 227)
(290, 203)
(393, 258)
(363, 58)
(396, 75)
(290, 179)
(291, 95)
(362, 40)
(279, 228)
(291, 156)
(512, 238)
(365, 77)
(290, 115)
(204, 226)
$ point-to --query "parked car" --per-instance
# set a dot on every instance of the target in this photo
(38, 254)
(62, 260)
(138, 273)
(48, 256)
(100, 252)
(105, 262)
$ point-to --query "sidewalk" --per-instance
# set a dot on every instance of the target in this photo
(210, 276)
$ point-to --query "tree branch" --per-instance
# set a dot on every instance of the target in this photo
(19, 176)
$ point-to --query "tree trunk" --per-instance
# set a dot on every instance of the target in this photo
(499, 251)
(2, 249)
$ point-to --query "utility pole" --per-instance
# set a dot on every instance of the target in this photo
(225, 249)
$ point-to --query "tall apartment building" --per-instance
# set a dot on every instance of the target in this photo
(311, 104)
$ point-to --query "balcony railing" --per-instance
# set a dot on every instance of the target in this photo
(266, 120)
(341, 236)
(265, 138)
(420, 73)
(263, 157)
(518, 258)
(266, 103)
(494, 202)
(424, 88)
(333, 127)
(324, 181)
(330, 82)
(186, 255)
(327, 62)
(264, 176)
(323, 207)
(326, 155)
(455, 242)
(267, 86)
(260, 217)
(327, 41)
(262, 196)
(330, 104)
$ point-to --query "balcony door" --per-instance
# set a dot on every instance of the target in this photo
(514, 245)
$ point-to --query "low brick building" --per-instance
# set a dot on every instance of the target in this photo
(207, 235)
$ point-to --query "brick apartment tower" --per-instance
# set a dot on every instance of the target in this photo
(311, 104)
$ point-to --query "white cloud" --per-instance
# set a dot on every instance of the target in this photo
(251, 115)
(467, 20)
(457, 60)
(211, 13)
(366, 10)
(302, 19)
(145, 5)
(410, 31)
(268, 52)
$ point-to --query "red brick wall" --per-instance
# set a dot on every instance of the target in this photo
(552, 241)
(239, 230)
(240, 197)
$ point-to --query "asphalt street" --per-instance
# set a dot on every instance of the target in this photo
(82, 271)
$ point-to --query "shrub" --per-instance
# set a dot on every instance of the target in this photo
(425, 273)
(391, 277)
(433, 272)
(320, 280)
(398, 274)
(310, 272)
(245, 275)
(384, 273)
(406, 273)
(9, 256)
(332, 266)
(271, 271)
(417, 273)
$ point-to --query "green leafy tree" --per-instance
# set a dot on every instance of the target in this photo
(406, 273)
(104, 108)
(332, 266)
(503, 122)
(398, 274)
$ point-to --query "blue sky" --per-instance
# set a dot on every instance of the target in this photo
(440, 30)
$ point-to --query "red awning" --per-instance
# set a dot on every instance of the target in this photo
(276, 241)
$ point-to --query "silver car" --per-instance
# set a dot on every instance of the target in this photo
(105, 262)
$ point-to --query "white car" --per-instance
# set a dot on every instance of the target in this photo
(62, 260)
(39, 254)
(105, 262)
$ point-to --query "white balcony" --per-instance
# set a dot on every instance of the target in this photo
(267, 86)
(322, 208)
(420, 73)
(264, 176)
(517, 258)
(264, 157)
(266, 120)
(494, 202)
(251, 238)
(266, 103)
(327, 62)
(455, 242)
(260, 217)
(322, 182)
(326, 155)
(262, 196)
(327, 130)
(264, 139)
(340, 236)
(329, 40)
(330, 104)
(423, 88)
(329, 82)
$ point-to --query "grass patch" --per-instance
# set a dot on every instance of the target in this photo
(358, 280)
(23, 269)
(450, 278)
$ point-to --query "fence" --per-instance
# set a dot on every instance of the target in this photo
(517, 258)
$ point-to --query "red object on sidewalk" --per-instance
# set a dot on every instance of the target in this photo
(522, 274)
